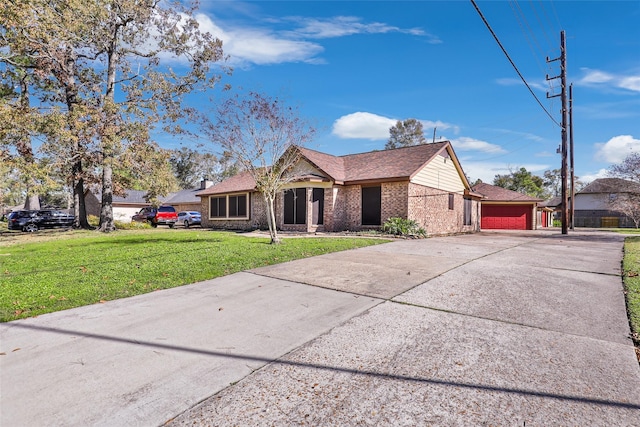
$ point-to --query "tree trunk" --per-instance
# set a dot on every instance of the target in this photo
(108, 139)
(271, 219)
(25, 150)
(71, 95)
(32, 202)
(106, 212)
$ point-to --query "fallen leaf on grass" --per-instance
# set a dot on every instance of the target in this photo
(632, 273)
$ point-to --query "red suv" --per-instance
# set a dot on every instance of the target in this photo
(163, 215)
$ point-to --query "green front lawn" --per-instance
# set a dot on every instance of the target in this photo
(47, 272)
(631, 269)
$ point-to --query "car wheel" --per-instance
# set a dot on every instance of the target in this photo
(153, 224)
(171, 225)
(30, 228)
(186, 224)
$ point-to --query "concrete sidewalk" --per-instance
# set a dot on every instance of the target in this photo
(485, 329)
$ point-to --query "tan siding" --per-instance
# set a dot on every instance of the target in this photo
(442, 174)
(303, 168)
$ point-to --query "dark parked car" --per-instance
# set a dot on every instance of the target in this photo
(163, 215)
(188, 218)
(33, 220)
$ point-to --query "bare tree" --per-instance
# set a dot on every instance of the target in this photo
(262, 134)
(629, 168)
(628, 204)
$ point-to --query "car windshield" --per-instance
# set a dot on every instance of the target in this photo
(166, 209)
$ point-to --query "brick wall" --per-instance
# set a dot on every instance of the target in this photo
(430, 208)
(394, 200)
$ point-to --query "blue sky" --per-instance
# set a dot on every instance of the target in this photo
(356, 67)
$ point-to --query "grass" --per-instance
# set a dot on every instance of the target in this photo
(631, 271)
(57, 270)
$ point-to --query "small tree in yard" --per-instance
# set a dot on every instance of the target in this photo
(262, 134)
(628, 204)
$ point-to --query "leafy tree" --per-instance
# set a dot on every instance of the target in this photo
(552, 181)
(190, 166)
(131, 37)
(405, 134)
(262, 134)
(104, 70)
(629, 168)
(42, 40)
(522, 181)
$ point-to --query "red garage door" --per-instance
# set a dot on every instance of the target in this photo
(506, 217)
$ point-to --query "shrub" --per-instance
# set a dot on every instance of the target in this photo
(133, 225)
(403, 227)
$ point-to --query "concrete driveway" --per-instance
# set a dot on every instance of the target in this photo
(487, 329)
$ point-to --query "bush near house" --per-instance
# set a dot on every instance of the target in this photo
(403, 227)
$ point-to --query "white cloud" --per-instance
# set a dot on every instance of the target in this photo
(438, 125)
(602, 78)
(542, 86)
(471, 144)
(631, 83)
(590, 177)
(258, 46)
(254, 45)
(617, 148)
(363, 125)
(341, 26)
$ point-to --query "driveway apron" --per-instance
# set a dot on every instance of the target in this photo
(495, 328)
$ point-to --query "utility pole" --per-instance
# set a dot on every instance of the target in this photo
(573, 178)
(563, 95)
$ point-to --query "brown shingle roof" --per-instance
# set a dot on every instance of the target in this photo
(331, 165)
(493, 193)
(240, 182)
(611, 185)
(375, 165)
(396, 164)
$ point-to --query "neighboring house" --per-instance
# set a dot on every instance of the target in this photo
(134, 200)
(424, 183)
(187, 200)
(504, 209)
(594, 203)
(550, 210)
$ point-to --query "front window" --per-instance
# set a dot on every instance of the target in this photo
(295, 206)
(234, 206)
(238, 206)
(467, 211)
(218, 207)
(371, 205)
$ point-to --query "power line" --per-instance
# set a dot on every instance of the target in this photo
(512, 63)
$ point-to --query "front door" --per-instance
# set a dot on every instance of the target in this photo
(371, 205)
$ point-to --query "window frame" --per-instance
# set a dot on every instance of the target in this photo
(294, 206)
(227, 206)
(467, 211)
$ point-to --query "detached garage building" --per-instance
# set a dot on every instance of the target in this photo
(503, 209)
